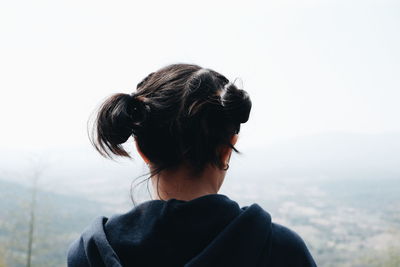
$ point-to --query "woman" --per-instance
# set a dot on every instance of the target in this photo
(185, 122)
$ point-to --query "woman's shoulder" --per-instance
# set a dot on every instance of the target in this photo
(288, 246)
(284, 236)
(285, 247)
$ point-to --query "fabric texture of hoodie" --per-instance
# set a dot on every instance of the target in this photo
(211, 230)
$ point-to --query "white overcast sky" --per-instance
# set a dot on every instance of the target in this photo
(309, 66)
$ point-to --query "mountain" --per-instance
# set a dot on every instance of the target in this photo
(59, 219)
(339, 191)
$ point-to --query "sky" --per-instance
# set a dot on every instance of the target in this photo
(310, 67)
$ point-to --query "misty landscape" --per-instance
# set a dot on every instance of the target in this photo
(339, 191)
(320, 152)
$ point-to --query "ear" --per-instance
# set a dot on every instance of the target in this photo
(227, 151)
(145, 159)
(234, 139)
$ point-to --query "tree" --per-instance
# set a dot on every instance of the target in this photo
(37, 172)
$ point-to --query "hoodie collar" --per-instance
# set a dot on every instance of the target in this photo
(211, 230)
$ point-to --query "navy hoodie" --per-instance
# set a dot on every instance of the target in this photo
(211, 230)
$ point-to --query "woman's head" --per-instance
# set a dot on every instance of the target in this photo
(180, 114)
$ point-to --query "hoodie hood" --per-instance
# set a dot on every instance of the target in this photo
(211, 230)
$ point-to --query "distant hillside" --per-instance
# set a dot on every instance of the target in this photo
(59, 220)
(339, 191)
(335, 155)
(81, 171)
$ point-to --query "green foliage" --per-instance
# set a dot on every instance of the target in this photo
(390, 257)
(2, 258)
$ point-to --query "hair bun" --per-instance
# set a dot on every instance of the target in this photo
(236, 103)
(120, 116)
(114, 124)
(138, 111)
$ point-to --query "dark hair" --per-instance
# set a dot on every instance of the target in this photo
(181, 113)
